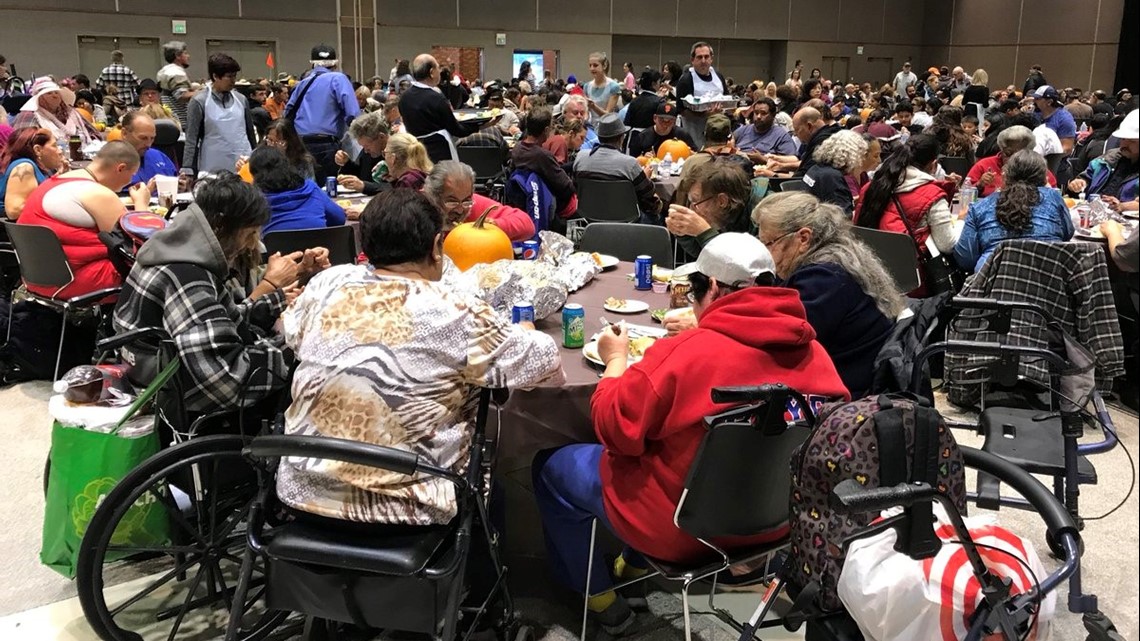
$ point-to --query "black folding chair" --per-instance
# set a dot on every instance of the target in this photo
(43, 264)
(955, 165)
(339, 240)
(738, 485)
(166, 135)
(896, 251)
(627, 241)
(793, 185)
(613, 201)
(487, 162)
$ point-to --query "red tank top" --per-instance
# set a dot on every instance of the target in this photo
(86, 254)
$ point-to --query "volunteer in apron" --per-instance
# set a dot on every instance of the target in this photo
(699, 81)
(218, 130)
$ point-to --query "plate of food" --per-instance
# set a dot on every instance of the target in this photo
(637, 347)
(605, 261)
(658, 315)
(1093, 233)
(625, 306)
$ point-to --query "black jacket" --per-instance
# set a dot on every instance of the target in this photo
(807, 150)
(426, 111)
(828, 184)
(640, 112)
(648, 140)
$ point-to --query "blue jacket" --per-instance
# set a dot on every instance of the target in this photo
(1100, 170)
(846, 321)
(306, 207)
(983, 233)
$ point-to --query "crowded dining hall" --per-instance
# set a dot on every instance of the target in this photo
(534, 321)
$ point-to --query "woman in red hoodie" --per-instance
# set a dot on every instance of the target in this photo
(649, 420)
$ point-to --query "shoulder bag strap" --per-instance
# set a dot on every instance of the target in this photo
(291, 112)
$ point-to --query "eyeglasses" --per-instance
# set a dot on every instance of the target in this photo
(769, 243)
(458, 204)
(693, 205)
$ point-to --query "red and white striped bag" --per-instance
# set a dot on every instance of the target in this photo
(895, 598)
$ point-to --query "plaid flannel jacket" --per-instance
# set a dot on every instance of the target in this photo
(227, 361)
(122, 77)
(1069, 281)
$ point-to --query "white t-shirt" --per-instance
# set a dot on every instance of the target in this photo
(1047, 141)
(904, 79)
(922, 119)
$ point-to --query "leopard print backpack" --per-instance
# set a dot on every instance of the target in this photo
(878, 441)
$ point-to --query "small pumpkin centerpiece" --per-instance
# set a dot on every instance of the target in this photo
(472, 243)
(675, 148)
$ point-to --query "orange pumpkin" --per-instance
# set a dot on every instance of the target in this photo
(244, 173)
(114, 134)
(643, 160)
(472, 243)
(677, 148)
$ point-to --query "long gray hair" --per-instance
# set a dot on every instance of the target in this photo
(831, 242)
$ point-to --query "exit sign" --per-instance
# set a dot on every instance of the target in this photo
(178, 27)
(859, 51)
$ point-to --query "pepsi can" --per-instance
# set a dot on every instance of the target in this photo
(530, 249)
(522, 312)
(643, 273)
(330, 186)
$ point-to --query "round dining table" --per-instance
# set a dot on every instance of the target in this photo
(551, 416)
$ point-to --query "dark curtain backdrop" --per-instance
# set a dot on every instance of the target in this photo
(1126, 58)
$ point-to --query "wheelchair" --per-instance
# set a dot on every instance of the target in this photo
(410, 579)
(182, 587)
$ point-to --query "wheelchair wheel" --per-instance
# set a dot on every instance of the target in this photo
(179, 586)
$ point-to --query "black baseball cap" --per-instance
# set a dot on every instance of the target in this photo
(666, 109)
(323, 53)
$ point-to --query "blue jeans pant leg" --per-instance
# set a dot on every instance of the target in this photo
(568, 490)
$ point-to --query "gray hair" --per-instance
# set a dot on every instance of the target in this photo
(1016, 138)
(172, 50)
(577, 98)
(845, 150)
(831, 242)
(443, 170)
(369, 125)
(117, 56)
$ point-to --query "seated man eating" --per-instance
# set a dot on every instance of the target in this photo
(649, 420)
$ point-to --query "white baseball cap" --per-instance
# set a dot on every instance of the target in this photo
(733, 259)
(1130, 128)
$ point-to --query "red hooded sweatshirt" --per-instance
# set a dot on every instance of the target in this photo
(650, 419)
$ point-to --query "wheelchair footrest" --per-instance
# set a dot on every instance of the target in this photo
(1032, 440)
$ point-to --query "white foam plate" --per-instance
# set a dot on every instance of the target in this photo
(630, 307)
(608, 262)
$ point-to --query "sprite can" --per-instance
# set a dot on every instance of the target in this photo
(573, 325)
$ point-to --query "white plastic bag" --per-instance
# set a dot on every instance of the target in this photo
(895, 598)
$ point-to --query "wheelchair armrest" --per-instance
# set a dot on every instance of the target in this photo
(93, 297)
(965, 302)
(336, 449)
(131, 336)
(750, 393)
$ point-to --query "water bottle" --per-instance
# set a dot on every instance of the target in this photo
(1084, 128)
(968, 194)
(666, 166)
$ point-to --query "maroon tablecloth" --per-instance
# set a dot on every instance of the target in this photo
(546, 417)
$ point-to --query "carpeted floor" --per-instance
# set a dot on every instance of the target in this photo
(1111, 563)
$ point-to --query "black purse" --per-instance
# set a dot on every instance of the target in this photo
(941, 274)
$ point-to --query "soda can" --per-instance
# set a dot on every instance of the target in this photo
(330, 186)
(643, 273)
(522, 312)
(573, 325)
(530, 249)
